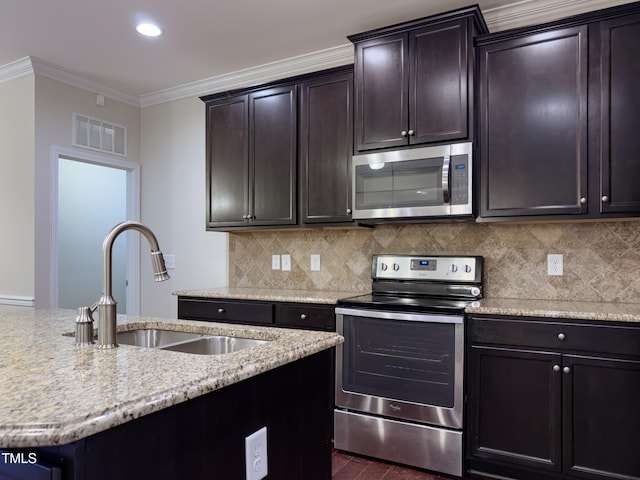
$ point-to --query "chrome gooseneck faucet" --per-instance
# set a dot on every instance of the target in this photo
(107, 304)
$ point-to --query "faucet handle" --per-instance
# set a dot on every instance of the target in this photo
(84, 326)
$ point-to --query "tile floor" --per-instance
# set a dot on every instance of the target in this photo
(349, 467)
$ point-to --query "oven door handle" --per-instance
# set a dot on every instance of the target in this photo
(411, 317)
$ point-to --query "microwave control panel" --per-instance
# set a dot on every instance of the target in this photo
(459, 180)
(419, 267)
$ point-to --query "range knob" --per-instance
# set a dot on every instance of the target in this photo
(396, 267)
(383, 267)
(454, 268)
(467, 268)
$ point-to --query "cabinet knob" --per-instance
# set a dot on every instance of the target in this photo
(411, 132)
(303, 316)
(556, 368)
(605, 199)
(348, 211)
(583, 200)
(246, 217)
(221, 310)
(561, 336)
(403, 133)
(566, 370)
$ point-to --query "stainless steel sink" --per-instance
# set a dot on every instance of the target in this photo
(186, 342)
(154, 337)
(215, 345)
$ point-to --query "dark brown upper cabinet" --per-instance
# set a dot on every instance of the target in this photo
(557, 105)
(251, 159)
(279, 155)
(619, 152)
(326, 147)
(227, 164)
(414, 81)
(533, 125)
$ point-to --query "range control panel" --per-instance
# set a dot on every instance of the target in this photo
(418, 267)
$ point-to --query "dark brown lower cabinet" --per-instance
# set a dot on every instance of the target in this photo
(204, 438)
(516, 415)
(601, 417)
(549, 399)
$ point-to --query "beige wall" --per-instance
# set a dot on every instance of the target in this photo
(55, 103)
(173, 204)
(17, 98)
(601, 260)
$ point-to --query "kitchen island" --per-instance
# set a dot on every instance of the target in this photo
(136, 412)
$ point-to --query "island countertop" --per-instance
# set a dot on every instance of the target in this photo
(54, 392)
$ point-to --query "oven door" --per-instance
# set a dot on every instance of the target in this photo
(401, 365)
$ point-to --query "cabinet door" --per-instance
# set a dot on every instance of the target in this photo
(272, 151)
(601, 417)
(382, 92)
(533, 124)
(227, 162)
(438, 105)
(620, 115)
(514, 406)
(326, 147)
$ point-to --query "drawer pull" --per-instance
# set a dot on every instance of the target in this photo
(556, 368)
(303, 316)
(566, 370)
(561, 336)
(221, 310)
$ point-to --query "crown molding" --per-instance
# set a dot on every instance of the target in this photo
(531, 12)
(289, 67)
(55, 72)
(34, 66)
(15, 70)
(518, 14)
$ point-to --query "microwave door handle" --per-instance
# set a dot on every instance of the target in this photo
(445, 179)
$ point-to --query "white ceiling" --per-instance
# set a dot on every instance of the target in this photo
(206, 39)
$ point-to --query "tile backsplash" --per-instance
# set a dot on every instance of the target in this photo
(601, 260)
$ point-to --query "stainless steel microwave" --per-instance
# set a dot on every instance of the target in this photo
(420, 182)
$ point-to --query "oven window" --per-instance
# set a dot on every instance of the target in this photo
(411, 183)
(400, 360)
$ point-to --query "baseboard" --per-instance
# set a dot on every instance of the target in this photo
(18, 301)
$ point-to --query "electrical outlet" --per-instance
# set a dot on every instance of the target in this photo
(286, 262)
(169, 261)
(256, 461)
(275, 262)
(555, 264)
(315, 262)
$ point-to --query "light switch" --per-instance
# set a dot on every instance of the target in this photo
(286, 262)
(275, 262)
(315, 262)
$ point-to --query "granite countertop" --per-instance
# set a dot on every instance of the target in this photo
(615, 312)
(270, 294)
(54, 392)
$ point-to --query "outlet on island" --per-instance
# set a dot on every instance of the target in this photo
(256, 462)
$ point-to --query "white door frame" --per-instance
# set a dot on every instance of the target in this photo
(133, 213)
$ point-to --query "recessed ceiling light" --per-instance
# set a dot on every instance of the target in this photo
(148, 29)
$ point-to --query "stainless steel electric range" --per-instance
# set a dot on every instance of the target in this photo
(399, 389)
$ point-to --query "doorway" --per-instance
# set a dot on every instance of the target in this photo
(92, 194)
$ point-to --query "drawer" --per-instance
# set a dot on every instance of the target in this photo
(250, 312)
(306, 315)
(555, 335)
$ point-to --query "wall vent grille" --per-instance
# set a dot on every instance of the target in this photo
(97, 135)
